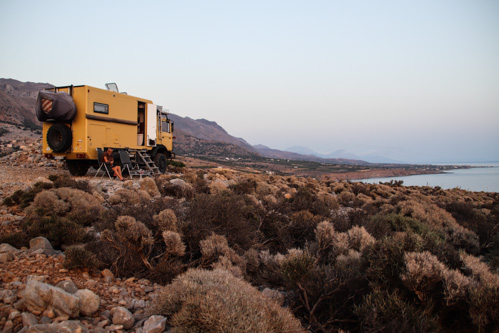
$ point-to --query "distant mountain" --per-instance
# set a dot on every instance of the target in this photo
(342, 154)
(281, 154)
(206, 130)
(17, 102)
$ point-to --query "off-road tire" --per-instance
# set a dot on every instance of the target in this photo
(59, 138)
(161, 162)
(77, 169)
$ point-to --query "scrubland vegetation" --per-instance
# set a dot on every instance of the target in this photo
(330, 255)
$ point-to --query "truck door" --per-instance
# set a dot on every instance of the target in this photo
(151, 124)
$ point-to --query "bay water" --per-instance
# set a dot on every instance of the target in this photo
(481, 177)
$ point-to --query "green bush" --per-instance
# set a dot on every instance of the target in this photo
(386, 311)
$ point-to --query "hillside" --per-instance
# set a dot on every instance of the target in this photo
(17, 102)
(287, 155)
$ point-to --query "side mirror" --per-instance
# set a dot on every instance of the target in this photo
(172, 126)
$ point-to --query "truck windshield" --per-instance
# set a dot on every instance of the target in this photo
(165, 124)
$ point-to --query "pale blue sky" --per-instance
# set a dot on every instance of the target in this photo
(415, 81)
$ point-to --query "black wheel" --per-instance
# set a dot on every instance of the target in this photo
(77, 169)
(59, 138)
(161, 162)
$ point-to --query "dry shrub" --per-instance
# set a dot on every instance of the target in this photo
(57, 229)
(483, 294)
(78, 257)
(349, 261)
(216, 301)
(85, 209)
(166, 220)
(324, 234)
(215, 250)
(213, 247)
(67, 181)
(178, 191)
(297, 266)
(264, 268)
(306, 198)
(479, 270)
(423, 273)
(80, 207)
(302, 227)
(174, 245)
(247, 186)
(385, 259)
(455, 287)
(359, 238)
(129, 197)
(48, 203)
(230, 215)
(346, 198)
(133, 232)
(422, 209)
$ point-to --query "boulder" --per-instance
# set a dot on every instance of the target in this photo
(29, 319)
(65, 326)
(155, 324)
(89, 302)
(149, 185)
(121, 316)
(40, 297)
(6, 257)
(41, 243)
(68, 286)
(7, 248)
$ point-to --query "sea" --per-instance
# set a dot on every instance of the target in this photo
(480, 177)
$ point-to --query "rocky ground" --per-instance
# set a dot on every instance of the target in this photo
(39, 269)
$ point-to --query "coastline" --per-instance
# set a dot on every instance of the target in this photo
(380, 173)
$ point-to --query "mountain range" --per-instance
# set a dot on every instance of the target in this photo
(199, 137)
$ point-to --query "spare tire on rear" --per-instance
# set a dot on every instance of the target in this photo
(59, 138)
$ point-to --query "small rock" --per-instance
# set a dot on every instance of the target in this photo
(68, 286)
(6, 257)
(29, 319)
(107, 273)
(275, 295)
(4, 247)
(89, 301)
(41, 243)
(122, 316)
(38, 278)
(155, 324)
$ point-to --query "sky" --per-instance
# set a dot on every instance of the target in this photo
(413, 81)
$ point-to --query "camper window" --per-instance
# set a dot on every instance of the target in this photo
(101, 108)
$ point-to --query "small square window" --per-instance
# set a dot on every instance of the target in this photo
(101, 108)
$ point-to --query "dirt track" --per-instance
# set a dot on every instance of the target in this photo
(13, 178)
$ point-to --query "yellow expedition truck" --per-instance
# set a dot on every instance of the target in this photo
(80, 121)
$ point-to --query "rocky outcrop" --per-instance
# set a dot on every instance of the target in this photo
(32, 301)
